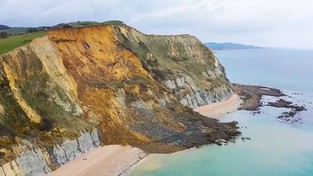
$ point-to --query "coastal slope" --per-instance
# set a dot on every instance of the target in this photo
(75, 89)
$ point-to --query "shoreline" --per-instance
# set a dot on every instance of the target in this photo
(121, 160)
(253, 101)
(215, 110)
(106, 160)
(132, 167)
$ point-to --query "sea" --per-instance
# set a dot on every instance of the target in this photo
(275, 148)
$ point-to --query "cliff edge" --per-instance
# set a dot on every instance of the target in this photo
(76, 89)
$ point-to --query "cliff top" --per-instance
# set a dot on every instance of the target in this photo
(14, 37)
(12, 42)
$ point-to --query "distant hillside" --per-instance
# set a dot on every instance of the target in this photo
(229, 46)
(3, 27)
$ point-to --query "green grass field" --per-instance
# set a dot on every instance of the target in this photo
(13, 42)
(93, 23)
(113, 22)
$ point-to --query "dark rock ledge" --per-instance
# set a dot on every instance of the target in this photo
(252, 96)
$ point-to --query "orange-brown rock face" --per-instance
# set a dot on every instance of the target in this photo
(99, 64)
(116, 93)
(134, 88)
(93, 54)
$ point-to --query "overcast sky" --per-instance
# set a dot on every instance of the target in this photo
(281, 23)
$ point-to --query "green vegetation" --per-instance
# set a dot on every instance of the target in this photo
(113, 22)
(16, 41)
(17, 30)
(4, 34)
(15, 37)
(80, 24)
(23, 30)
(196, 67)
(169, 57)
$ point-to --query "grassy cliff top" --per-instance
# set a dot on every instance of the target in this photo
(12, 42)
(20, 36)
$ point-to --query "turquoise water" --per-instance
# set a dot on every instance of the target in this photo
(276, 148)
(285, 69)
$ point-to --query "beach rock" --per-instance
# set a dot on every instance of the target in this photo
(221, 141)
(33, 160)
(33, 163)
(30, 162)
(294, 109)
(10, 169)
(252, 95)
(71, 149)
(58, 156)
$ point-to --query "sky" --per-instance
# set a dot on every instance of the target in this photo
(272, 23)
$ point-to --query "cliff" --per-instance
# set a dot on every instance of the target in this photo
(181, 63)
(70, 91)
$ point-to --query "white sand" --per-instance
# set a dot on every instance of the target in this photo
(217, 109)
(105, 161)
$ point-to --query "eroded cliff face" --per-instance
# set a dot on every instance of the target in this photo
(181, 63)
(133, 88)
(34, 160)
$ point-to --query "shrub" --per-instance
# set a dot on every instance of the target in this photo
(30, 30)
(4, 34)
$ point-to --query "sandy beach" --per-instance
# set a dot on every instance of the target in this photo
(118, 160)
(217, 109)
(109, 160)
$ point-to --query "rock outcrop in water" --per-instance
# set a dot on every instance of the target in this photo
(133, 88)
(252, 96)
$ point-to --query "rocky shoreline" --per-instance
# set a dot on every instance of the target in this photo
(252, 96)
(290, 115)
